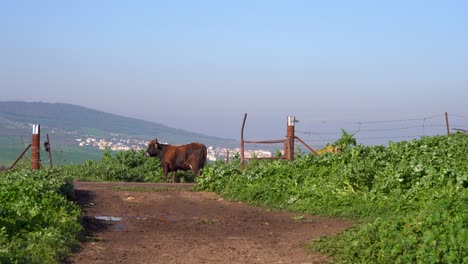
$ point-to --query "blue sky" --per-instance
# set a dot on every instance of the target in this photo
(200, 65)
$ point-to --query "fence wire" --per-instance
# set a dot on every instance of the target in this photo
(318, 133)
(14, 145)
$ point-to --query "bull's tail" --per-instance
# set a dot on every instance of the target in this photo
(204, 153)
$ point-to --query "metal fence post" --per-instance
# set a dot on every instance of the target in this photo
(447, 123)
(35, 157)
(242, 143)
(48, 148)
(290, 138)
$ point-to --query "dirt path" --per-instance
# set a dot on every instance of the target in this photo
(179, 226)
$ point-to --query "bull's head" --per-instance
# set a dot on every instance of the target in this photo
(152, 149)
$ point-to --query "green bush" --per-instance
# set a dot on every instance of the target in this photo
(37, 222)
(124, 166)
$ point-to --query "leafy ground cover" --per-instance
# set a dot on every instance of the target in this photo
(38, 224)
(411, 197)
(124, 166)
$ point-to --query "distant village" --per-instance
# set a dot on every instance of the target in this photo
(214, 153)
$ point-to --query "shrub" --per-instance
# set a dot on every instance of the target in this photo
(37, 223)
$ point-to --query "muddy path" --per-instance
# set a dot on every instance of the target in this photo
(166, 223)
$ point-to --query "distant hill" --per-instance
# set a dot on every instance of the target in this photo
(65, 123)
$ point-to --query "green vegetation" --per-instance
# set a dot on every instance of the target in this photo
(37, 222)
(126, 166)
(410, 197)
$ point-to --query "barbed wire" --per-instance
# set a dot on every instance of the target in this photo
(459, 116)
(371, 131)
(361, 138)
(387, 129)
(378, 130)
(399, 120)
(317, 133)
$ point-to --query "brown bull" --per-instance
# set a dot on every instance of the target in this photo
(173, 158)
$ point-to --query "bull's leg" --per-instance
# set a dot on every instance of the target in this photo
(199, 171)
(195, 170)
(165, 170)
(173, 176)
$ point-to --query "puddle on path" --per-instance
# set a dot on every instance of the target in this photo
(166, 217)
(117, 226)
(109, 218)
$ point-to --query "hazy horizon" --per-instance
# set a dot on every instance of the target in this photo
(201, 65)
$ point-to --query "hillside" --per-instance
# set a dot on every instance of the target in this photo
(66, 123)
